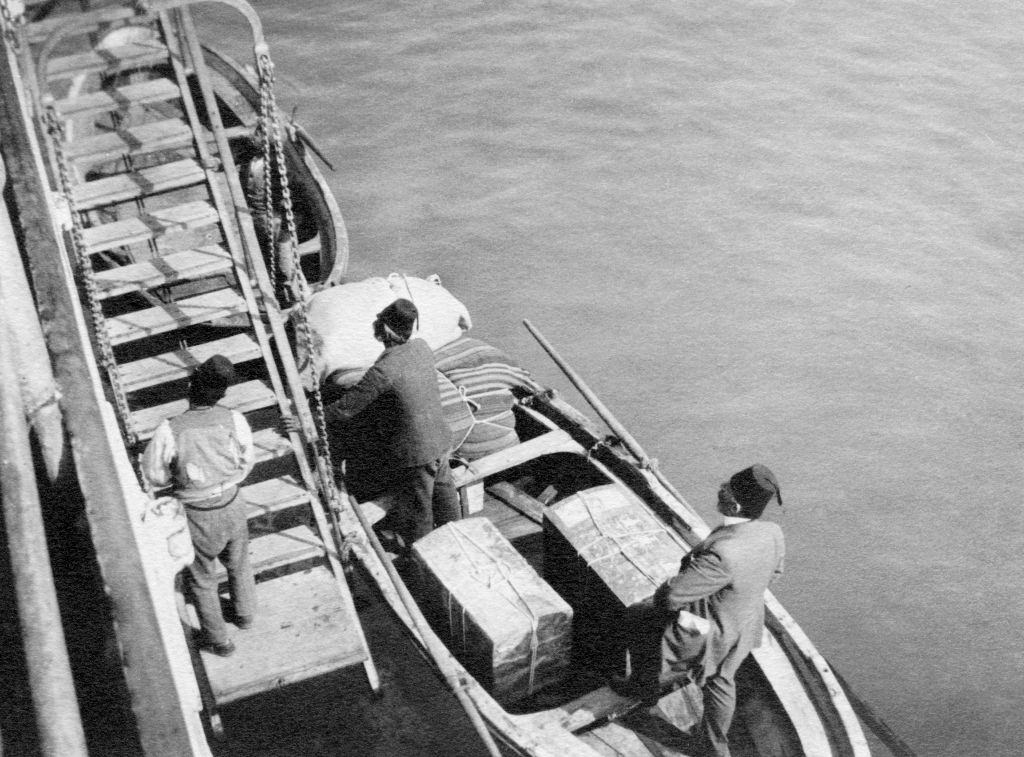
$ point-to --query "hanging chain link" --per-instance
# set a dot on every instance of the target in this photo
(270, 134)
(266, 124)
(12, 25)
(55, 128)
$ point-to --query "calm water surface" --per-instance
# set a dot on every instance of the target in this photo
(785, 232)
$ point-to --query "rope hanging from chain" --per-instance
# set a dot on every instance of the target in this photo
(87, 276)
(269, 132)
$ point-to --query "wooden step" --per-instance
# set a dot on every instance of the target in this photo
(167, 134)
(135, 140)
(275, 495)
(275, 552)
(303, 629)
(174, 366)
(189, 311)
(245, 397)
(119, 98)
(270, 445)
(175, 266)
(136, 184)
(107, 60)
(151, 224)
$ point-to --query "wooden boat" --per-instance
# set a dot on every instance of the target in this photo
(790, 703)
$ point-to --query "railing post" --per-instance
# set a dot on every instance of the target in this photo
(46, 656)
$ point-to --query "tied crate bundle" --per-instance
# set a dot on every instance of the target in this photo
(504, 623)
(605, 552)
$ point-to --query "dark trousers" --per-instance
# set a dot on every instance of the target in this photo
(719, 707)
(658, 663)
(221, 534)
(427, 498)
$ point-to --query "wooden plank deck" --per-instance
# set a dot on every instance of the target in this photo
(301, 630)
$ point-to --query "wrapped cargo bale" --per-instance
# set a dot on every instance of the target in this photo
(341, 320)
(443, 318)
(479, 366)
(486, 376)
(503, 622)
(605, 552)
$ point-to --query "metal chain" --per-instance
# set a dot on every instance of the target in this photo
(266, 123)
(55, 128)
(271, 133)
(12, 25)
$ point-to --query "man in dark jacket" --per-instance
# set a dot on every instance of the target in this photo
(398, 402)
(712, 611)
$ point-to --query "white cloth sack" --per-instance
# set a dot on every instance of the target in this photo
(341, 321)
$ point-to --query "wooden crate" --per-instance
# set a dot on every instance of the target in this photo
(605, 552)
(498, 616)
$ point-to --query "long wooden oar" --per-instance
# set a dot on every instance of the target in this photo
(437, 651)
(606, 415)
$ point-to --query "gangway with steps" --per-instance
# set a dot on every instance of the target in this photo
(170, 272)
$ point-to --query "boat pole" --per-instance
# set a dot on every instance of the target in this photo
(606, 415)
(437, 651)
(46, 656)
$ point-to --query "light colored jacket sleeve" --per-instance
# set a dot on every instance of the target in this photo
(159, 456)
(247, 449)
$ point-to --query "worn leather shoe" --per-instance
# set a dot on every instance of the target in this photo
(221, 649)
(244, 621)
(224, 649)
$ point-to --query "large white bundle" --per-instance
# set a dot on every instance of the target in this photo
(341, 320)
(443, 319)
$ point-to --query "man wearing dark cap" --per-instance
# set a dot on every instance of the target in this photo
(206, 452)
(398, 402)
(714, 606)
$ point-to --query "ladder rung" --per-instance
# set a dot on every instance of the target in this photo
(273, 495)
(252, 395)
(175, 266)
(152, 224)
(120, 98)
(270, 445)
(106, 60)
(167, 134)
(174, 366)
(175, 315)
(278, 550)
(129, 186)
(134, 140)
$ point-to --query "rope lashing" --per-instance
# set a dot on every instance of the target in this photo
(619, 540)
(482, 575)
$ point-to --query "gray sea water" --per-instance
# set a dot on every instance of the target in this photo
(786, 232)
